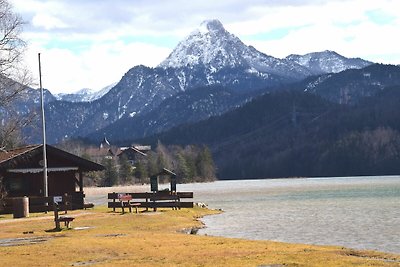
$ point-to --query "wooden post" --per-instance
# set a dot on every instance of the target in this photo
(56, 218)
(80, 181)
(114, 202)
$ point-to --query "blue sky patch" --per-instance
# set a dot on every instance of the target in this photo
(379, 17)
(165, 41)
(274, 34)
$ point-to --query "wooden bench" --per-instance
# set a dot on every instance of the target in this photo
(125, 201)
(160, 199)
(67, 220)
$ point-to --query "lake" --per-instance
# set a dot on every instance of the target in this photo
(354, 212)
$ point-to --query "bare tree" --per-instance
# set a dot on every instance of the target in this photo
(13, 75)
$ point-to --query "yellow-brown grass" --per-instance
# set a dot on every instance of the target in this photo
(156, 239)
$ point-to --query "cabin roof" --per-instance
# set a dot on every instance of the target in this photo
(8, 159)
(10, 154)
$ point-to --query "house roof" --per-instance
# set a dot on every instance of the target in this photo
(9, 159)
(134, 149)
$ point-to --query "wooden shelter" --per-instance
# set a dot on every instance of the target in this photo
(22, 172)
(154, 179)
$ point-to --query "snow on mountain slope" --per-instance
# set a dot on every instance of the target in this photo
(210, 55)
(85, 95)
(327, 62)
(211, 45)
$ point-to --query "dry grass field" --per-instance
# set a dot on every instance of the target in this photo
(103, 238)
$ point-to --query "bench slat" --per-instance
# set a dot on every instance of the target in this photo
(157, 204)
(144, 195)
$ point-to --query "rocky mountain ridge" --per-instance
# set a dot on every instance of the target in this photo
(208, 56)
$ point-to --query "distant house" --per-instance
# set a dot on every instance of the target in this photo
(22, 172)
(132, 154)
(105, 150)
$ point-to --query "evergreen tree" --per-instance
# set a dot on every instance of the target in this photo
(125, 170)
(183, 171)
(110, 173)
(191, 164)
(152, 164)
(205, 164)
(141, 172)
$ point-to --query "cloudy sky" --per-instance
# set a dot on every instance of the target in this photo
(93, 43)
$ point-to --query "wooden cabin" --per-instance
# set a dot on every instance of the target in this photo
(132, 154)
(22, 173)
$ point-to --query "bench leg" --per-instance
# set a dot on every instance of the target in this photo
(57, 224)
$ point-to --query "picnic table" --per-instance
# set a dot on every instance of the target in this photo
(160, 199)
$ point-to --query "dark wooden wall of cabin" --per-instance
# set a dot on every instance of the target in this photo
(31, 184)
(23, 184)
(61, 183)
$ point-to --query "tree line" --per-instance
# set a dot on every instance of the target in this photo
(298, 134)
(190, 163)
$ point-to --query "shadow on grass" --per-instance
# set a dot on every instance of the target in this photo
(57, 230)
(54, 230)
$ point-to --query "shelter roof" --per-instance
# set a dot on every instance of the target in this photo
(7, 155)
(10, 159)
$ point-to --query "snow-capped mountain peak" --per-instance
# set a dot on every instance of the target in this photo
(205, 45)
(213, 47)
(213, 25)
(84, 95)
(327, 62)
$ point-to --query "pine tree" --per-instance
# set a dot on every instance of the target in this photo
(191, 164)
(110, 173)
(205, 164)
(183, 171)
(152, 164)
(125, 170)
(141, 172)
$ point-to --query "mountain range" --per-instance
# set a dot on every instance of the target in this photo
(84, 95)
(318, 114)
(296, 133)
(209, 57)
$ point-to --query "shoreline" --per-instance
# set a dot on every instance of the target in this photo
(214, 227)
(158, 240)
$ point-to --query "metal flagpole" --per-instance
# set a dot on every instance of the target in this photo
(45, 185)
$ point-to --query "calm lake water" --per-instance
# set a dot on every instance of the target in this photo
(355, 212)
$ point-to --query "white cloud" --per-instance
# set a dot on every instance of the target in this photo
(340, 26)
(93, 43)
(95, 68)
(47, 22)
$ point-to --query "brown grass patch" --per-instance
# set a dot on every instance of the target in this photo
(155, 239)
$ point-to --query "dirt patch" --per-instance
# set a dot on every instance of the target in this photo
(362, 254)
(111, 235)
(89, 262)
(23, 241)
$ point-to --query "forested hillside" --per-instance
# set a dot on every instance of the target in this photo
(291, 134)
